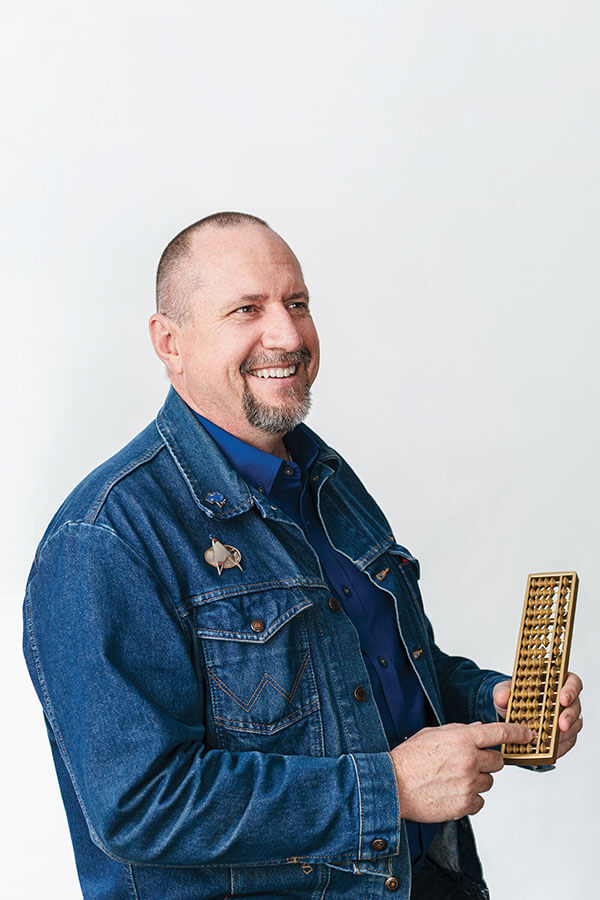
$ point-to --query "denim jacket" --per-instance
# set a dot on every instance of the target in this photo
(207, 731)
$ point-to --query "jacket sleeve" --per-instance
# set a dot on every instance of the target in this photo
(113, 666)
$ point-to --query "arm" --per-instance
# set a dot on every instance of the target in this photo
(112, 663)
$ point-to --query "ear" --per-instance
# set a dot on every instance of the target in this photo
(164, 335)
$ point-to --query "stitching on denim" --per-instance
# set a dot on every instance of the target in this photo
(266, 679)
(360, 806)
(375, 551)
(265, 727)
(237, 589)
(397, 797)
(256, 638)
(101, 528)
(56, 730)
(145, 457)
(189, 477)
(131, 881)
(332, 673)
(328, 872)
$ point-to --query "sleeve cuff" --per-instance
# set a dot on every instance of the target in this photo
(380, 828)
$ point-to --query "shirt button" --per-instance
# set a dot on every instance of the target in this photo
(261, 489)
(315, 478)
(391, 884)
(257, 625)
(382, 661)
(333, 604)
(360, 694)
(346, 590)
(288, 470)
(378, 845)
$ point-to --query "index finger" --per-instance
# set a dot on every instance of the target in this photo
(501, 733)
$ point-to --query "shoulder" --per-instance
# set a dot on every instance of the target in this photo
(120, 473)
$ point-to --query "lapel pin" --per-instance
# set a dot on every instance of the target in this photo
(223, 556)
(216, 497)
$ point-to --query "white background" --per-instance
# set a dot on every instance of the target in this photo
(435, 167)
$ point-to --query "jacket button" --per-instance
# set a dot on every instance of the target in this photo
(360, 693)
(333, 604)
(378, 845)
(391, 884)
(257, 625)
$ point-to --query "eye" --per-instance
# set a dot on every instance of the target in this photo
(246, 310)
(298, 305)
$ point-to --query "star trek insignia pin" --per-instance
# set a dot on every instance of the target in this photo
(216, 497)
(222, 556)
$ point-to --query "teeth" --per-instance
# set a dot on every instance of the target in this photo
(275, 373)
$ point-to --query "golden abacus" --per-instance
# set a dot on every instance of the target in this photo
(541, 665)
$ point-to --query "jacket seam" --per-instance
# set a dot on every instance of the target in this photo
(118, 476)
(360, 808)
(96, 526)
(55, 728)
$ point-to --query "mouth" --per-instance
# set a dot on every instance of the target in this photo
(288, 372)
(282, 368)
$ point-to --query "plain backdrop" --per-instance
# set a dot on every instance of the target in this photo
(435, 167)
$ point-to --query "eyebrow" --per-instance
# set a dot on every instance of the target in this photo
(257, 298)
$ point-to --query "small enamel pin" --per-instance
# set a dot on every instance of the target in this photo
(216, 497)
(222, 556)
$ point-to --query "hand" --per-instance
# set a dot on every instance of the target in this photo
(441, 772)
(570, 721)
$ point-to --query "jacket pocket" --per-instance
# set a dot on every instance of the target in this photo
(259, 671)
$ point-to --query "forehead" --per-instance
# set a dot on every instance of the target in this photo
(225, 262)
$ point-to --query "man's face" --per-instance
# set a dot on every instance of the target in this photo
(250, 352)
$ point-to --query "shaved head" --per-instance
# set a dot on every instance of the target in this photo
(174, 278)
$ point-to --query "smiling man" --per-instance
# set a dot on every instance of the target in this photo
(241, 689)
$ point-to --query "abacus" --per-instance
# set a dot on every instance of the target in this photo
(541, 664)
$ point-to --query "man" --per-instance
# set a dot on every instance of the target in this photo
(241, 689)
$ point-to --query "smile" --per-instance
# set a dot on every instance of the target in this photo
(274, 373)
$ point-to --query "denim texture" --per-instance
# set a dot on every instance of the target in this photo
(199, 756)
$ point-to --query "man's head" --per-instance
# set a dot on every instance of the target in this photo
(233, 326)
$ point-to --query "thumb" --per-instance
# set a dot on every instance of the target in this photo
(501, 696)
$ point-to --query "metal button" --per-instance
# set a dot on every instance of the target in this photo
(391, 884)
(261, 489)
(257, 625)
(346, 590)
(382, 661)
(360, 693)
(288, 470)
(315, 478)
(378, 845)
(333, 604)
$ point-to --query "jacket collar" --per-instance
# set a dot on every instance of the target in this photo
(215, 485)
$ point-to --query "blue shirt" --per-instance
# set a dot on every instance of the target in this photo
(396, 689)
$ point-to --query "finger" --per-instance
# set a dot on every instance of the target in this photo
(565, 746)
(501, 733)
(571, 689)
(483, 783)
(572, 732)
(476, 805)
(569, 716)
(490, 761)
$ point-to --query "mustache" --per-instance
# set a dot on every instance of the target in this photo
(281, 360)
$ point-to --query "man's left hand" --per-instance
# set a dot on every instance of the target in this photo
(570, 721)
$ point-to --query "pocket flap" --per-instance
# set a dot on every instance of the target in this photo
(248, 617)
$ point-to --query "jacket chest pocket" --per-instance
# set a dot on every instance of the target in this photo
(259, 671)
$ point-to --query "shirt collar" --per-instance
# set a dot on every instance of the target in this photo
(254, 465)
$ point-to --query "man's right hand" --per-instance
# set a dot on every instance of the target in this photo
(442, 772)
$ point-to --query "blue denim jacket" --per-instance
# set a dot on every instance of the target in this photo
(207, 733)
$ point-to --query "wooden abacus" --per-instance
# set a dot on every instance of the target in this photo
(541, 665)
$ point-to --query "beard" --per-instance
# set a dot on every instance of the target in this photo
(295, 400)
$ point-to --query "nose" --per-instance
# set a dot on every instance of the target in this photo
(281, 330)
